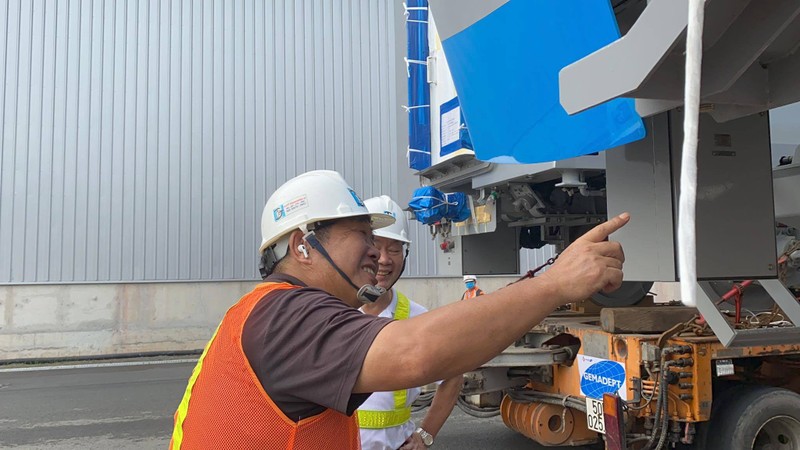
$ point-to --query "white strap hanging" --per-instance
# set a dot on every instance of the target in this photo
(438, 200)
(687, 245)
(412, 61)
(407, 8)
(409, 108)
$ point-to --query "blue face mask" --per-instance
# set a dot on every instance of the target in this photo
(470, 284)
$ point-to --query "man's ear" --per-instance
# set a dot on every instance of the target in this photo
(299, 249)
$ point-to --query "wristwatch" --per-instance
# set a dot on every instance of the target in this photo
(427, 438)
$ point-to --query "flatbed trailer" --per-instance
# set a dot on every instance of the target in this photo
(545, 375)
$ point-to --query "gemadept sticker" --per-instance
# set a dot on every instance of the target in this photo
(290, 207)
(601, 376)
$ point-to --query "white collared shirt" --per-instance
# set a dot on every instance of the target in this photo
(390, 438)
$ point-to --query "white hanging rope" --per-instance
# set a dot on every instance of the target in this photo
(687, 245)
(409, 108)
(412, 61)
(439, 201)
(415, 61)
(407, 8)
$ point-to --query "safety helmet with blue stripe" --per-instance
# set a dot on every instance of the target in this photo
(315, 196)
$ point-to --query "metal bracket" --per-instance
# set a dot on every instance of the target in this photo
(731, 337)
(529, 357)
(749, 62)
(454, 171)
(597, 77)
(487, 380)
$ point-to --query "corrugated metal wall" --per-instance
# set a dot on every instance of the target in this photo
(531, 259)
(140, 138)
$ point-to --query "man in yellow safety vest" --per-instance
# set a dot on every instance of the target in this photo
(385, 418)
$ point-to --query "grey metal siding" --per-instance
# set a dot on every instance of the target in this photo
(531, 259)
(141, 138)
(423, 252)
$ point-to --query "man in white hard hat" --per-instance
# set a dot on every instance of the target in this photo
(385, 418)
(293, 359)
(471, 283)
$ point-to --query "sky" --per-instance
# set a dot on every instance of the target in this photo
(784, 130)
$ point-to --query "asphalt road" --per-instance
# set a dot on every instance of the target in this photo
(130, 407)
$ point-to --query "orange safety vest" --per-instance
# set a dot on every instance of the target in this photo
(472, 293)
(225, 405)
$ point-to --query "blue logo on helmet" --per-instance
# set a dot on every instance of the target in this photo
(355, 197)
(603, 377)
(278, 213)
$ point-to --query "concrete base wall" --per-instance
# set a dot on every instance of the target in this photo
(53, 321)
(435, 292)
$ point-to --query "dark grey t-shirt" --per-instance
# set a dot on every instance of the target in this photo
(307, 347)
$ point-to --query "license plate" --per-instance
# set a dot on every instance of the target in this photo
(594, 415)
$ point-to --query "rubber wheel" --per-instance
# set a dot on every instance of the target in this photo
(629, 294)
(754, 418)
(724, 393)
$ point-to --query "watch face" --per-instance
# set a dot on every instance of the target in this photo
(427, 439)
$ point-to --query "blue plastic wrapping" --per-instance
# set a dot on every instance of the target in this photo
(419, 113)
(430, 206)
(505, 68)
(457, 207)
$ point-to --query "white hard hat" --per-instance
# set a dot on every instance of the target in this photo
(384, 204)
(469, 277)
(308, 198)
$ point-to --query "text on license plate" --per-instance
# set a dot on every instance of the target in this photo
(594, 415)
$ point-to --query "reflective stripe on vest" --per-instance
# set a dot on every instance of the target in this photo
(225, 406)
(471, 293)
(401, 413)
(183, 408)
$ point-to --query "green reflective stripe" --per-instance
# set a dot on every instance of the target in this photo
(400, 399)
(183, 408)
(403, 309)
(383, 419)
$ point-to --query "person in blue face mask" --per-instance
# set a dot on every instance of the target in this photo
(471, 284)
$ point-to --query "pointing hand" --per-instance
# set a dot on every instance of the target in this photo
(590, 264)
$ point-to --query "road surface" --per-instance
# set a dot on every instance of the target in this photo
(130, 406)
